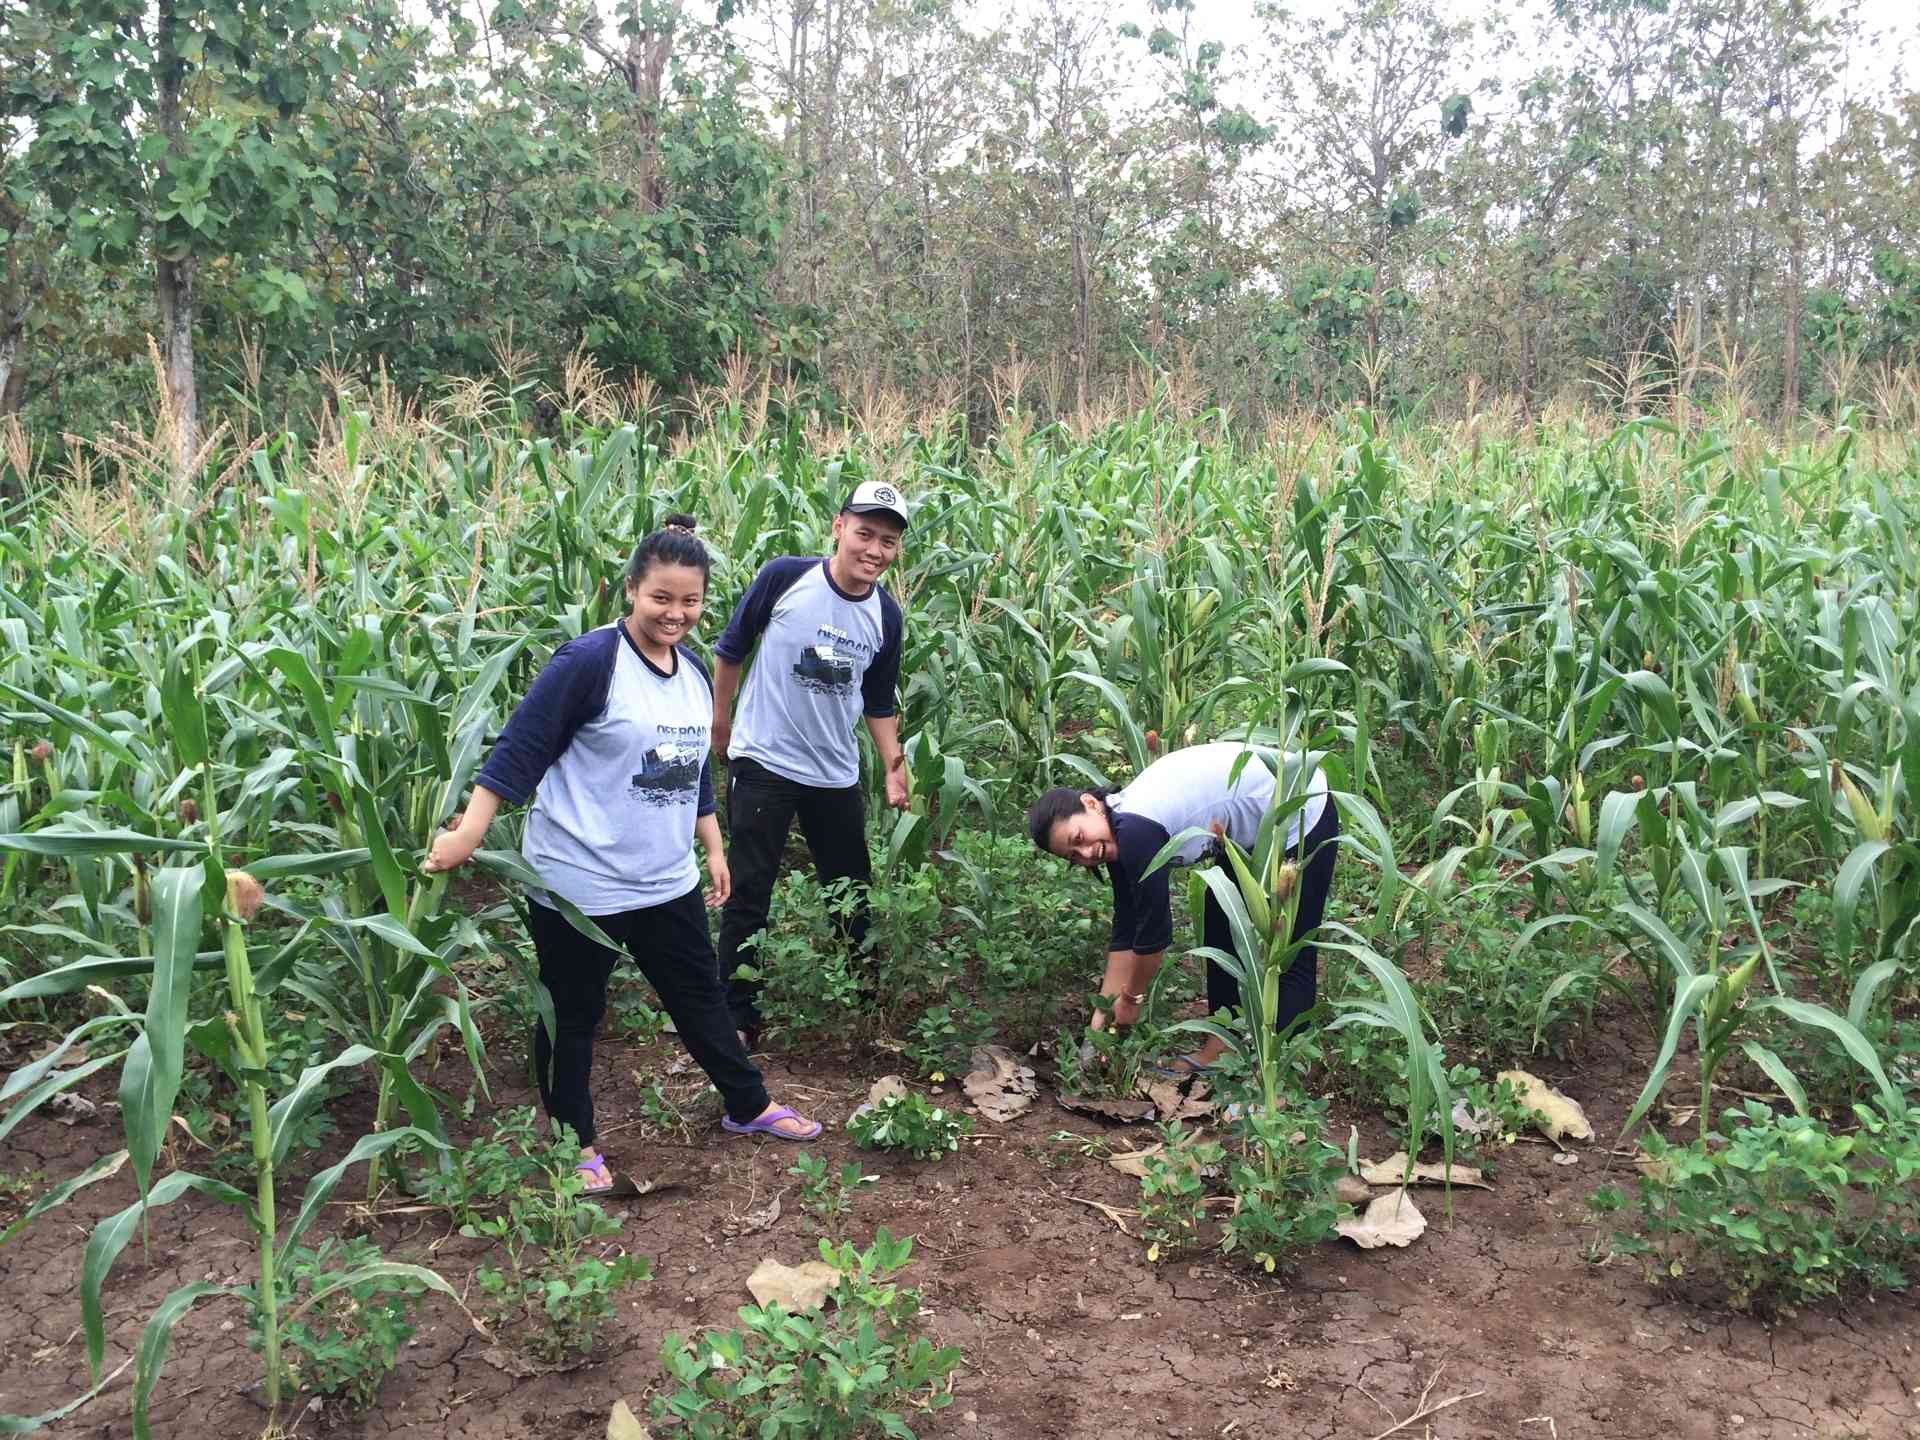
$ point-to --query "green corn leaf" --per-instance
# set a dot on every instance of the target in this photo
(386, 865)
(110, 1237)
(28, 1424)
(51, 1086)
(320, 1189)
(34, 1071)
(112, 745)
(70, 844)
(287, 1112)
(78, 974)
(1664, 940)
(1855, 873)
(381, 1270)
(150, 1079)
(157, 1338)
(1690, 992)
(1775, 1069)
(1866, 987)
(1619, 813)
(1818, 1017)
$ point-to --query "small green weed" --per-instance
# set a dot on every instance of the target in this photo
(856, 1367)
(826, 1193)
(911, 1123)
(340, 1341)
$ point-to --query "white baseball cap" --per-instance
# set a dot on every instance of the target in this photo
(877, 497)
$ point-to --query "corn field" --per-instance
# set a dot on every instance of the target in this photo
(1642, 695)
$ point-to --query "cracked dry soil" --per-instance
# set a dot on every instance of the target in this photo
(1067, 1332)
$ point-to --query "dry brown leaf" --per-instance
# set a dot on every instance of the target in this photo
(1176, 1103)
(623, 1424)
(1000, 1087)
(71, 1109)
(1392, 1219)
(1390, 1170)
(1351, 1190)
(1125, 1112)
(886, 1088)
(803, 1287)
(1558, 1117)
(754, 1221)
(1134, 1162)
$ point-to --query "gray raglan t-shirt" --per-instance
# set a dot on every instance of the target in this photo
(614, 753)
(825, 659)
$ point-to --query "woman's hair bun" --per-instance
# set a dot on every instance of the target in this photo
(677, 521)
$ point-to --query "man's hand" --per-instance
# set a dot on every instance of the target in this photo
(898, 794)
(722, 737)
(719, 880)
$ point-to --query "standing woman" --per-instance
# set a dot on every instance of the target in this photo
(611, 744)
(1125, 829)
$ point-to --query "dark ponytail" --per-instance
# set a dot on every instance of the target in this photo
(674, 543)
(1060, 803)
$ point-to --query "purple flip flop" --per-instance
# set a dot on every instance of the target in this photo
(587, 1167)
(767, 1124)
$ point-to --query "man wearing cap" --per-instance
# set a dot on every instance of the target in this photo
(828, 638)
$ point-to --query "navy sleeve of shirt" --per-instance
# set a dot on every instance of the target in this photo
(1142, 909)
(569, 692)
(707, 804)
(755, 610)
(880, 685)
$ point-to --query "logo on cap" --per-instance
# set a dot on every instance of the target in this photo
(884, 495)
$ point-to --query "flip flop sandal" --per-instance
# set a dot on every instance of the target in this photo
(587, 1167)
(768, 1124)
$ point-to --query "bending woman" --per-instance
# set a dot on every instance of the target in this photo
(1123, 829)
(611, 744)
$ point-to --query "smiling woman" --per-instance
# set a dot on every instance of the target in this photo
(1223, 790)
(611, 745)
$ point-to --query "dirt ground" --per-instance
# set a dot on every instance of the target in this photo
(1067, 1331)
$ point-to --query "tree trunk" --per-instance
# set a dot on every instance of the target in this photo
(12, 375)
(173, 285)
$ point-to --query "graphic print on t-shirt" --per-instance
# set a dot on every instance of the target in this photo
(826, 666)
(670, 770)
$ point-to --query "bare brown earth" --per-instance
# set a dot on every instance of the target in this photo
(1066, 1329)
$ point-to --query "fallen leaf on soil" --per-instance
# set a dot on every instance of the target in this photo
(886, 1088)
(1351, 1190)
(1134, 1162)
(71, 1109)
(1392, 1219)
(77, 1055)
(1469, 1120)
(524, 1367)
(1654, 1170)
(1176, 1103)
(803, 1287)
(1126, 1112)
(1559, 1117)
(1389, 1171)
(1112, 1212)
(999, 1086)
(623, 1424)
(1565, 1157)
(754, 1221)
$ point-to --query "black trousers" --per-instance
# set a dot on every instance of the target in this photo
(671, 945)
(1298, 983)
(761, 807)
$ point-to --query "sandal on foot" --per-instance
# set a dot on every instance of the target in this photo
(769, 1124)
(588, 1167)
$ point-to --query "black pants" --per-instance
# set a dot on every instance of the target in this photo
(1298, 983)
(674, 951)
(761, 807)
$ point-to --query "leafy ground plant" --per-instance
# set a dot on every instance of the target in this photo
(1780, 1210)
(857, 1368)
(824, 1192)
(911, 1123)
(347, 1317)
(556, 1290)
